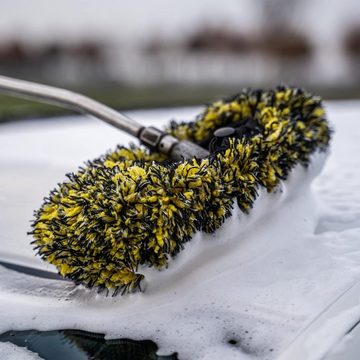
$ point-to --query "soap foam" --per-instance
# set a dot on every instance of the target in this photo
(256, 282)
(201, 301)
(9, 351)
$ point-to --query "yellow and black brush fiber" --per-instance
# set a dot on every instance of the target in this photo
(132, 208)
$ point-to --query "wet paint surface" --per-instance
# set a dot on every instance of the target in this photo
(81, 345)
(242, 293)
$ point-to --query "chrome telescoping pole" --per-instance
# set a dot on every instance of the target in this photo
(149, 136)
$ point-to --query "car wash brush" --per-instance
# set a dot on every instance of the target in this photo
(137, 207)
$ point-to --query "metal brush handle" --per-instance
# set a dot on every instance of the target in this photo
(150, 136)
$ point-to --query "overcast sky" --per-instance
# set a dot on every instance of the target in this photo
(45, 20)
(52, 18)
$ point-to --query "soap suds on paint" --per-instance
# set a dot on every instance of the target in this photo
(9, 351)
(243, 292)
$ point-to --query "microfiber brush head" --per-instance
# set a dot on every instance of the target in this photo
(133, 208)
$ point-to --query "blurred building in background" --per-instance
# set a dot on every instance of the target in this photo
(80, 43)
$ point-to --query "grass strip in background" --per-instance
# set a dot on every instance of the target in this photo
(122, 98)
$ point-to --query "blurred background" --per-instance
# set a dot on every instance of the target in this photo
(141, 54)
